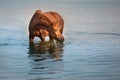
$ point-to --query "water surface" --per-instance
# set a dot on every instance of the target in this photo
(91, 50)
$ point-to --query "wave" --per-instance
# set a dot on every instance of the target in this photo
(117, 34)
(16, 44)
(90, 33)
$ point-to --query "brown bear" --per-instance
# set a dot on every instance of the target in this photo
(45, 24)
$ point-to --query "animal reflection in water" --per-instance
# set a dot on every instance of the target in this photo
(47, 50)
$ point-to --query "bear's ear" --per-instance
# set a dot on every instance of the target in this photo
(38, 11)
(44, 16)
(41, 14)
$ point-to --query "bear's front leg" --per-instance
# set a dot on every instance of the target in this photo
(42, 38)
(31, 38)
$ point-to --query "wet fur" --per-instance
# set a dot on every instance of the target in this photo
(45, 24)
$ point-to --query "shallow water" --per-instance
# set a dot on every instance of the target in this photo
(91, 50)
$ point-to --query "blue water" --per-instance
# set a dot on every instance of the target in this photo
(91, 50)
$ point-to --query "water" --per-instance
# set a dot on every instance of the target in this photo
(91, 50)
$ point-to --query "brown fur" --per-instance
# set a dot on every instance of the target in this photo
(45, 24)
